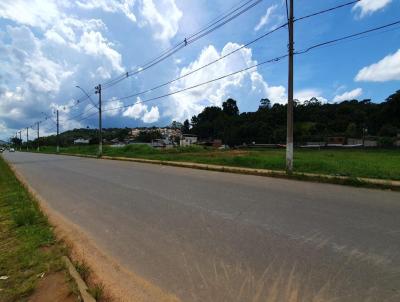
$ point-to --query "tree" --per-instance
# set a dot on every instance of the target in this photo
(176, 125)
(265, 104)
(388, 130)
(352, 130)
(186, 127)
(230, 108)
(16, 141)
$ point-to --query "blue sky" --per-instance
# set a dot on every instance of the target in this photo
(49, 47)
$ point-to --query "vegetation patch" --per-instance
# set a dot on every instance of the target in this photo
(354, 163)
(29, 251)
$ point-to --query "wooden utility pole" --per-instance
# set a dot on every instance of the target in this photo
(98, 91)
(289, 118)
(38, 136)
(58, 134)
(27, 138)
(20, 140)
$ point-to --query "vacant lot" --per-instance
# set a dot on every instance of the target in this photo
(383, 164)
(30, 256)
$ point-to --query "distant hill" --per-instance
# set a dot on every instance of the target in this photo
(3, 143)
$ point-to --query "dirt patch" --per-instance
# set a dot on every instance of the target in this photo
(230, 153)
(53, 288)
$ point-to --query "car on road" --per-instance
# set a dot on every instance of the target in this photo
(11, 150)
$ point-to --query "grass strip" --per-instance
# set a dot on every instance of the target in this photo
(376, 163)
(28, 247)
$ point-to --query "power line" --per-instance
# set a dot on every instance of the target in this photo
(256, 65)
(347, 37)
(178, 46)
(208, 64)
(327, 10)
(276, 59)
(193, 38)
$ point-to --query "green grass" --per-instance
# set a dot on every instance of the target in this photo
(376, 163)
(28, 247)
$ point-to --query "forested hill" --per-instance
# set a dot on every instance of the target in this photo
(313, 120)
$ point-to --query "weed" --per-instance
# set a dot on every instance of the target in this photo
(97, 291)
(83, 269)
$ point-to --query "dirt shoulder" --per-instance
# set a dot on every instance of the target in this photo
(31, 265)
(104, 275)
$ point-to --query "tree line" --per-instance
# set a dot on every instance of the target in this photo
(313, 121)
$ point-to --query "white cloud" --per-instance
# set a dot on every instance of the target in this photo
(112, 107)
(387, 69)
(151, 116)
(123, 6)
(135, 111)
(9, 103)
(164, 17)
(368, 7)
(307, 94)
(265, 19)
(38, 13)
(185, 105)
(93, 43)
(348, 95)
(26, 55)
(141, 111)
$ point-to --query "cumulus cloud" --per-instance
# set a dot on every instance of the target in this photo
(141, 111)
(93, 43)
(266, 18)
(24, 60)
(39, 13)
(112, 107)
(163, 17)
(348, 95)
(367, 7)
(123, 6)
(185, 105)
(387, 69)
(151, 116)
(307, 94)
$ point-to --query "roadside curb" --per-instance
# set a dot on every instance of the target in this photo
(334, 179)
(268, 173)
(82, 287)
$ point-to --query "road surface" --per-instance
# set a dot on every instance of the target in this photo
(211, 236)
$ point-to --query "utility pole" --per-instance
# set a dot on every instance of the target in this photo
(98, 91)
(20, 141)
(289, 118)
(38, 136)
(58, 133)
(27, 138)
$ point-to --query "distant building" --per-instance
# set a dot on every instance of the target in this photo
(81, 141)
(336, 140)
(162, 143)
(166, 132)
(187, 140)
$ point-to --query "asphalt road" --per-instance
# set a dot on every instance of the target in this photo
(210, 236)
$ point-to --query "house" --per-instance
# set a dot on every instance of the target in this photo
(336, 140)
(162, 143)
(81, 141)
(187, 140)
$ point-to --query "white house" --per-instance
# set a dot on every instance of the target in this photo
(81, 141)
(187, 140)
